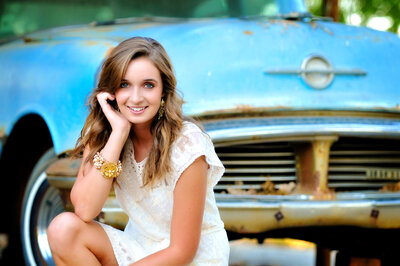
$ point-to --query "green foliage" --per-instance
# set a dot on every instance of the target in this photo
(365, 8)
(315, 7)
(385, 8)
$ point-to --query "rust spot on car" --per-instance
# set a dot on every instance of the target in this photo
(395, 108)
(284, 23)
(248, 32)
(144, 25)
(3, 136)
(108, 52)
(313, 24)
(240, 111)
(2, 132)
(245, 111)
(244, 107)
(391, 187)
(104, 29)
(316, 26)
(64, 167)
(327, 30)
(30, 40)
(312, 167)
(267, 188)
(91, 43)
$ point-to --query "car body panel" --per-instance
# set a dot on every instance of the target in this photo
(34, 81)
(261, 45)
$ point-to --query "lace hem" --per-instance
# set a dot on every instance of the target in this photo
(126, 250)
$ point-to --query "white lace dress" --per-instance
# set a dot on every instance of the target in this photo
(150, 209)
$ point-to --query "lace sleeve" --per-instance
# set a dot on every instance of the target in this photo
(189, 146)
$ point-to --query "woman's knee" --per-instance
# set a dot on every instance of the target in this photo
(64, 229)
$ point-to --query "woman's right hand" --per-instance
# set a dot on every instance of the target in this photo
(117, 120)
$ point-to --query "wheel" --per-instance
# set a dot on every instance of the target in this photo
(41, 204)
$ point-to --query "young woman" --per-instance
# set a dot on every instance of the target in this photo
(164, 183)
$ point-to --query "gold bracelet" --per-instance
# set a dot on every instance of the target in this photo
(107, 169)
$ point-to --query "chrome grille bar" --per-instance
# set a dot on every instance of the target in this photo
(249, 166)
(258, 162)
(352, 158)
(259, 170)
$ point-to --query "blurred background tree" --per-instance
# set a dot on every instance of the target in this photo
(377, 14)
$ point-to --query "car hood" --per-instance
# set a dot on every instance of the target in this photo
(221, 65)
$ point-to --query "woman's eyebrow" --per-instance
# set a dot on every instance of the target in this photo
(145, 80)
(150, 79)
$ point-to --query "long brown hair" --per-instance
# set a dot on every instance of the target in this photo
(97, 129)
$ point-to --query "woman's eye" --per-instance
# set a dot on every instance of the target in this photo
(123, 85)
(149, 85)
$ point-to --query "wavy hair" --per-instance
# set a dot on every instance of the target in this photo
(96, 130)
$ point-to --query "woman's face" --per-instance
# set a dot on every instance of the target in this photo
(140, 92)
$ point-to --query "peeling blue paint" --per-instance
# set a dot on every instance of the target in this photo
(219, 65)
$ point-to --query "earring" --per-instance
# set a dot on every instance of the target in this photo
(162, 109)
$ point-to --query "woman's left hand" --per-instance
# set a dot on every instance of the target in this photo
(117, 120)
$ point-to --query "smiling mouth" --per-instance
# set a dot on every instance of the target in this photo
(137, 109)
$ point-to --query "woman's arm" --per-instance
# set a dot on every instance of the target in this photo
(91, 189)
(187, 217)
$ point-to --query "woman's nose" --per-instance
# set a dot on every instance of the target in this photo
(136, 94)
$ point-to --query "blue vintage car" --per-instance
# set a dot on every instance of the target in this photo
(304, 114)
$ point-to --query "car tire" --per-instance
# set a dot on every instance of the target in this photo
(41, 203)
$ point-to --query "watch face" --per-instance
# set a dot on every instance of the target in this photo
(109, 170)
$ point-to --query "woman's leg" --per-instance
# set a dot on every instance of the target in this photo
(75, 242)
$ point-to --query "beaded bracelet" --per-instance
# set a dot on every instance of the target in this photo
(107, 169)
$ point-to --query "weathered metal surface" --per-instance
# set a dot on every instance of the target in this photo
(259, 214)
(64, 193)
(2, 138)
(82, 49)
(285, 111)
(112, 214)
(312, 167)
(61, 182)
(65, 167)
(57, 76)
(301, 128)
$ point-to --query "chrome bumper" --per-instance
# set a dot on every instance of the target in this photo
(258, 214)
(255, 214)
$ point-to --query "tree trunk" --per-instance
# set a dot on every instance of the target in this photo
(331, 9)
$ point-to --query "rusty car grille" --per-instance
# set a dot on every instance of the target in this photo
(363, 164)
(248, 166)
(354, 164)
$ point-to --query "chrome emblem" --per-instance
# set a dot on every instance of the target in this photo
(316, 71)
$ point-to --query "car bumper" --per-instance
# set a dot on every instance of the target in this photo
(261, 213)
(255, 214)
